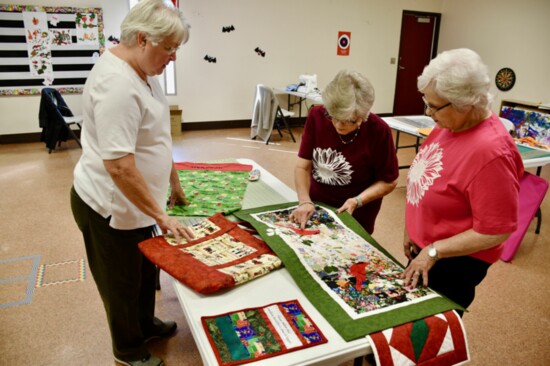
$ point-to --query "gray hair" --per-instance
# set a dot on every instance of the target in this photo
(348, 95)
(461, 77)
(158, 19)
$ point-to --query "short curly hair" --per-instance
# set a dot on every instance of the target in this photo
(158, 19)
(349, 95)
(461, 77)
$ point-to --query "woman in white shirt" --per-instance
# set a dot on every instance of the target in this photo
(122, 178)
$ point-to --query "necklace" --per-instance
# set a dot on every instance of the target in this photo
(352, 139)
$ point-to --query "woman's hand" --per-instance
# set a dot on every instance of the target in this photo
(176, 228)
(409, 247)
(302, 213)
(177, 197)
(350, 205)
(418, 267)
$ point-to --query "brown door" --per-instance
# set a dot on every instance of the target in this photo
(418, 45)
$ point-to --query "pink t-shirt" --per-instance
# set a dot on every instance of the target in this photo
(464, 180)
(342, 171)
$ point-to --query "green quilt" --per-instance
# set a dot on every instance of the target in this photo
(351, 280)
(211, 188)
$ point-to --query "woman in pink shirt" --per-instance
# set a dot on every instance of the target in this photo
(462, 187)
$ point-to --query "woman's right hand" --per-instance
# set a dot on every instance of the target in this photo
(409, 248)
(176, 228)
(302, 213)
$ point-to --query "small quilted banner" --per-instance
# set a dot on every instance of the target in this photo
(253, 334)
(436, 340)
(211, 188)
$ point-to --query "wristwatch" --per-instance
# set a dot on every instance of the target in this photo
(432, 252)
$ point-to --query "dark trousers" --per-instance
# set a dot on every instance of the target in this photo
(125, 279)
(457, 278)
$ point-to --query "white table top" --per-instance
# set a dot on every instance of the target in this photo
(313, 96)
(275, 287)
(411, 124)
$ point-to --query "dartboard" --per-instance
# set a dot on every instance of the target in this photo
(505, 79)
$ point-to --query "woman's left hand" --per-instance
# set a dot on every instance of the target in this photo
(417, 269)
(177, 196)
(350, 205)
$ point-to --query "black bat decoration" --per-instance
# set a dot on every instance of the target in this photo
(113, 39)
(228, 29)
(210, 59)
(259, 51)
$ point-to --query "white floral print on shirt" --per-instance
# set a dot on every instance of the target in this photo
(331, 167)
(424, 171)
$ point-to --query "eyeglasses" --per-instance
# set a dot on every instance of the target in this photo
(170, 50)
(433, 110)
(344, 122)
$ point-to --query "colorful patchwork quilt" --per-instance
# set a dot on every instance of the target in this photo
(211, 188)
(353, 282)
(253, 334)
(222, 255)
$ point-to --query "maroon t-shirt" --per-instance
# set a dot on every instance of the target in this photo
(343, 171)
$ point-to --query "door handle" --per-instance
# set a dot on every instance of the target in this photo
(401, 67)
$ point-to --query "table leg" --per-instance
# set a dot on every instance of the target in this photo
(397, 140)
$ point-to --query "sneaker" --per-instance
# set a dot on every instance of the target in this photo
(150, 360)
(161, 329)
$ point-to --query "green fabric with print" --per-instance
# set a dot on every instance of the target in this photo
(348, 328)
(210, 191)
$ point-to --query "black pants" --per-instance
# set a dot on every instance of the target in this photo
(457, 278)
(125, 279)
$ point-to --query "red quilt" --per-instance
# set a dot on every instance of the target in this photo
(222, 255)
(436, 340)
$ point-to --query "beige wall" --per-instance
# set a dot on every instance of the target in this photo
(506, 33)
(300, 37)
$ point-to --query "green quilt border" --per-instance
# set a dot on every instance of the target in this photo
(348, 328)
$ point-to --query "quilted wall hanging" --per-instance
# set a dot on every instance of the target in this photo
(222, 255)
(211, 188)
(253, 334)
(353, 282)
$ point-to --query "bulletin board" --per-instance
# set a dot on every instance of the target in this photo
(42, 46)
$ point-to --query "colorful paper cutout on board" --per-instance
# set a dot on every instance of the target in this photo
(39, 43)
(87, 29)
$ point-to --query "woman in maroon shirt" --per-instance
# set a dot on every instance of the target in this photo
(347, 156)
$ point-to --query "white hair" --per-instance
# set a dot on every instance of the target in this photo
(461, 77)
(349, 95)
(158, 19)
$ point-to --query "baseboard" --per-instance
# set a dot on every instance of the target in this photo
(20, 138)
(243, 123)
(215, 125)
